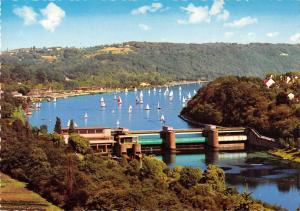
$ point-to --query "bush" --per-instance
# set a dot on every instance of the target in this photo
(190, 176)
(79, 143)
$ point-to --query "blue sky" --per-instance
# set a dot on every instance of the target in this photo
(82, 23)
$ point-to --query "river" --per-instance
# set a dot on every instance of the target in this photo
(267, 178)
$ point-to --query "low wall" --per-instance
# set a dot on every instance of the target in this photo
(255, 139)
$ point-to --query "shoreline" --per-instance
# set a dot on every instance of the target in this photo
(65, 94)
(291, 155)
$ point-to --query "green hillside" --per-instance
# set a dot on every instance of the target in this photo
(131, 63)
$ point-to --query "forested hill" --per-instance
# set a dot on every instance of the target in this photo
(130, 63)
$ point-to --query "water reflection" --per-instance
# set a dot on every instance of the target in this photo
(266, 177)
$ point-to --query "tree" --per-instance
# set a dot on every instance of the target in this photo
(79, 143)
(44, 129)
(71, 127)
(57, 127)
(189, 176)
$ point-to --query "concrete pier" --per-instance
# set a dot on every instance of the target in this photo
(169, 139)
(212, 134)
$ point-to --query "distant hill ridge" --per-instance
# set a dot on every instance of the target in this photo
(132, 62)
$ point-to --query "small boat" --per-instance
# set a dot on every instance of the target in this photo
(130, 109)
(195, 92)
(183, 99)
(135, 89)
(147, 107)
(158, 106)
(86, 116)
(167, 89)
(165, 93)
(141, 94)
(38, 105)
(119, 100)
(126, 90)
(102, 99)
(149, 91)
(48, 99)
(115, 97)
(54, 99)
(171, 94)
(137, 99)
(154, 89)
(141, 101)
(118, 123)
(179, 88)
(102, 104)
(159, 91)
(68, 124)
(189, 96)
(162, 118)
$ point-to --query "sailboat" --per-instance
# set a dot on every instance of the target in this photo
(183, 99)
(189, 96)
(102, 104)
(154, 89)
(118, 123)
(141, 101)
(115, 97)
(86, 116)
(171, 94)
(38, 105)
(119, 100)
(195, 92)
(179, 88)
(141, 94)
(135, 89)
(130, 109)
(102, 99)
(165, 93)
(149, 92)
(137, 100)
(54, 99)
(159, 91)
(147, 107)
(158, 106)
(162, 118)
(126, 90)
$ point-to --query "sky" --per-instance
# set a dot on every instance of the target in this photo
(84, 23)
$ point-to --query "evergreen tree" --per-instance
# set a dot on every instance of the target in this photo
(57, 127)
(71, 127)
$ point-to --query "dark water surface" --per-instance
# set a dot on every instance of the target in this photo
(267, 178)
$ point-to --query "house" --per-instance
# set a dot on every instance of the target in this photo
(16, 94)
(269, 82)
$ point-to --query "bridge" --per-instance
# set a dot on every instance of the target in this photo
(122, 141)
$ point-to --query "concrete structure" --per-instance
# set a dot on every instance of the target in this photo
(100, 139)
(169, 139)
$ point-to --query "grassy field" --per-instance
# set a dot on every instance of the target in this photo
(287, 154)
(15, 196)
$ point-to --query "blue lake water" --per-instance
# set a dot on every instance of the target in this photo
(269, 180)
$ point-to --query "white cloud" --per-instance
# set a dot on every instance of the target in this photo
(251, 34)
(216, 7)
(204, 13)
(147, 8)
(228, 34)
(295, 37)
(242, 22)
(272, 34)
(144, 27)
(27, 14)
(53, 15)
(224, 15)
(196, 14)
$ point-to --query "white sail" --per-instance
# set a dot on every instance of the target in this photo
(179, 88)
(118, 123)
(102, 104)
(149, 91)
(102, 99)
(162, 118)
(135, 89)
(137, 100)
(126, 90)
(75, 124)
(141, 94)
(183, 99)
(171, 94)
(158, 106)
(189, 96)
(130, 109)
(68, 124)
(154, 89)
(159, 90)
(195, 91)
(86, 115)
(141, 101)
(54, 99)
(165, 93)
(147, 107)
(115, 97)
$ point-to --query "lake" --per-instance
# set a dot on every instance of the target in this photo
(267, 178)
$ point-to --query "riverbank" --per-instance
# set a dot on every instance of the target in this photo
(287, 154)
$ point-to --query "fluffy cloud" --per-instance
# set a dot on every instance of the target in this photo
(272, 34)
(204, 13)
(53, 15)
(216, 7)
(144, 27)
(242, 22)
(295, 37)
(196, 14)
(147, 8)
(27, 14)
